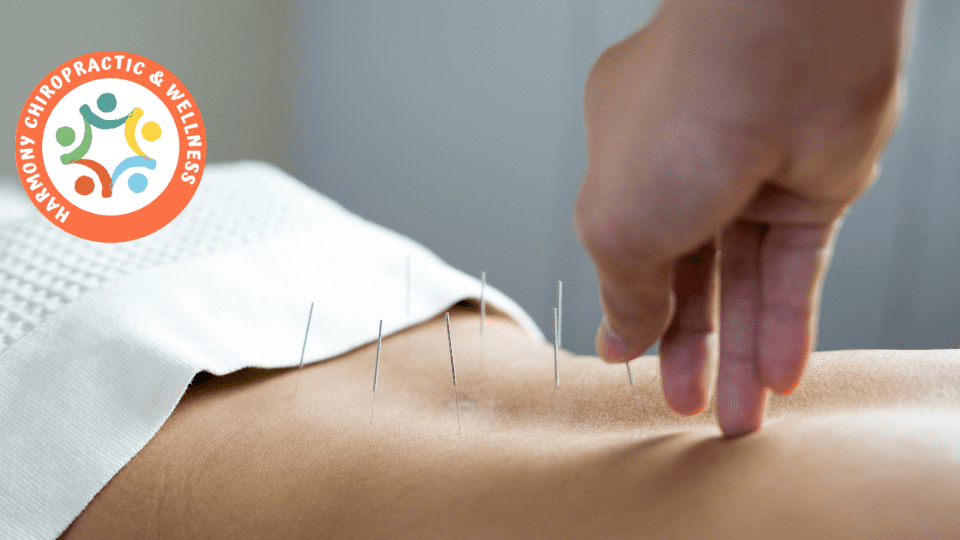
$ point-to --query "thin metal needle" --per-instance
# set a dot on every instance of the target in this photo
(659, 374)
(556, 362)
(376, 369)
(559, 313)
(633, 392)
(408, 285)
(556, 369)
(453, 367)
(304, 350)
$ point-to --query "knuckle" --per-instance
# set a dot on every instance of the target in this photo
(644, 312)
(597, 230)
(612, 239)
(601, 73)
(739, 364)
(874, 95)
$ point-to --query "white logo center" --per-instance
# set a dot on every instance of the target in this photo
(138, 154)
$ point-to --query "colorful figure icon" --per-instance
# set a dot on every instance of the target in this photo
(107, 103)
(84, 185)
(150, 131)
(137, 181)
(66, 136)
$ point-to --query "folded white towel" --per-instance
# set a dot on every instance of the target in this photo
(99, 341)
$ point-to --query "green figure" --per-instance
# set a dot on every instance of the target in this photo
(65, 137)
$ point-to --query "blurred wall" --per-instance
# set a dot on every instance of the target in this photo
(460, 124)
(233, 55)
(913, 217)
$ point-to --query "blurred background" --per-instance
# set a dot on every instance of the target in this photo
(460, 124)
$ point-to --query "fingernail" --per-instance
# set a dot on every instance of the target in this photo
(612, 347)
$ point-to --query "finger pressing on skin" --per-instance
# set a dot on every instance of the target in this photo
(639, 210)
(740, 394)
(634, 232)
(689, 348)
(794, 261)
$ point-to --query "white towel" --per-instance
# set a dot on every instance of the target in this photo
(99, 341)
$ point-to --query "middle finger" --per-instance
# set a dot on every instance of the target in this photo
(740, 394)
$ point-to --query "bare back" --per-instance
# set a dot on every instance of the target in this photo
(868, 447)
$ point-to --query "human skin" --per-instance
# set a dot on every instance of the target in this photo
(867, 447)
(726, 141)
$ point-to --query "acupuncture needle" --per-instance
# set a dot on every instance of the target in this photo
(556, 362)
(556, 368)
(376, 369)
(633, 392)
(559, 313)
(453, 367)
(304, 350)
(408, 285)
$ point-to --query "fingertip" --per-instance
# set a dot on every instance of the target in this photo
(732, 432)
(690, 402)
(781, 373)
(738, 425)
(683, 391)
(688, 362)
(610, 346)
(782, 386)
(741, 414)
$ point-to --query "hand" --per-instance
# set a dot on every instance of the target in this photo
(726, 143)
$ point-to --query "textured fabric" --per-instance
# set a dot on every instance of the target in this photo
(99, 341)
(13, 201)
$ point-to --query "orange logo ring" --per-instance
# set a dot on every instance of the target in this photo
(191, 158)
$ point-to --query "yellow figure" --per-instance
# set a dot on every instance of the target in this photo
(150, 131)
(130, 129)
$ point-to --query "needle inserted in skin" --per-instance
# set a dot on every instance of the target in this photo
(376, 369)
(304, 350)
(659, 374)
(408, 286)
(636, 400)
(453, 367)
(556, 369)
(559, 313)
(556, 362)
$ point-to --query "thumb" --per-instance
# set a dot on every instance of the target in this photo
(640, 315)
(636, 226)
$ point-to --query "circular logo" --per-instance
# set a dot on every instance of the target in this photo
(110, 146)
